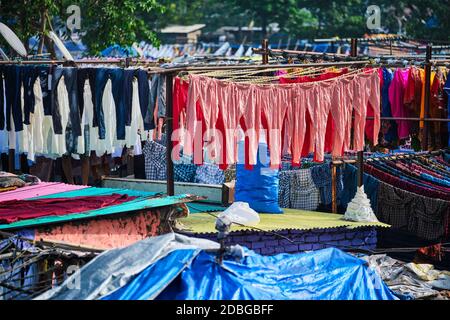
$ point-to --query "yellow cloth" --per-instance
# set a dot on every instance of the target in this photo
(7, 189)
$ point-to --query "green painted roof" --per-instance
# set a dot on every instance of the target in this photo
(137, 204)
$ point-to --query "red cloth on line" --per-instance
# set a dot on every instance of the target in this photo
(15, 210)
(329, 135)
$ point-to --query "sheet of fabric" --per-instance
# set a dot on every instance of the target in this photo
(15, 210)
(42, 189)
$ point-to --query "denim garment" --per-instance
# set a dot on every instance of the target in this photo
(128, 77)
(13, 97)
(158, 91)
(29, 76)
(117, 78)
(321, 176)
(83, 75)
(45, 74)
(70, 80)
(144, 97)
(391, 133)
(147, 109)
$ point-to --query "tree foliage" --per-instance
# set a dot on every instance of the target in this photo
(107, 22)
(103, 22)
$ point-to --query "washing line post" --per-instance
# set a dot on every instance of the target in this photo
(265, 51)
(169, 130)
(333, 188)
(426, 115)
(360, 155)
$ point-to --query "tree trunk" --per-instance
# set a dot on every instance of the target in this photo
(50, 47)
(41, 40)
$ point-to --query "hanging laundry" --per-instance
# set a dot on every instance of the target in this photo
(224, 105)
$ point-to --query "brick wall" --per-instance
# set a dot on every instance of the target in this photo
(267, 243)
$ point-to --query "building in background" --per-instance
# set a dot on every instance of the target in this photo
(181, 34)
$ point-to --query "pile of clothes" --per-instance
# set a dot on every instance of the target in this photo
(9, 181)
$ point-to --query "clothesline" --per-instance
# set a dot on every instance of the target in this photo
(175, 70)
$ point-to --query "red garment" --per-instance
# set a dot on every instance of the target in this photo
(180, 94)
(180, 91)
(329, 136)
(370, 112)
(15, 210)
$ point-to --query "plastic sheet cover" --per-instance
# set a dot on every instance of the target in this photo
(328, 274)
(116, 268)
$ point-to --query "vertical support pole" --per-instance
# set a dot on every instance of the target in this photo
(360, 160)
(426, 125)
(360, 155)
(265, 49)
(11, 160)
(169, 131)
(333, 188)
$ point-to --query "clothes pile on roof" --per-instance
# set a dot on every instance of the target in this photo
(9, 181)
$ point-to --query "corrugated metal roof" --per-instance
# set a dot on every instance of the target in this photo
(291, 220)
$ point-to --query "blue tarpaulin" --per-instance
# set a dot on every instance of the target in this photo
(328, 274)
(118, 51)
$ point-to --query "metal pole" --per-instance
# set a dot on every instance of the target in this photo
(360, 156)
(426, 125)
(169, 130)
